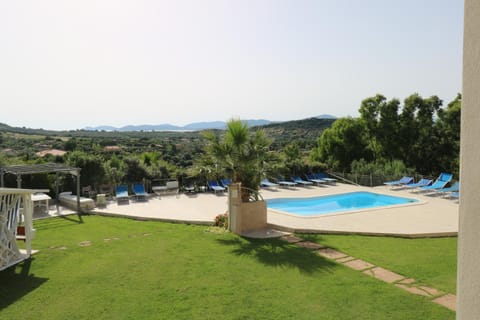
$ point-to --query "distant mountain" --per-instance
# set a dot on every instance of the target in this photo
(326, 116)
(196, 126)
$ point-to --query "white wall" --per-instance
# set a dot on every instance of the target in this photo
(468, 284)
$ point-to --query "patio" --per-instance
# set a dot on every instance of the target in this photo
(432, 216)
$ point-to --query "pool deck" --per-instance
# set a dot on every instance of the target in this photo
(432, 216)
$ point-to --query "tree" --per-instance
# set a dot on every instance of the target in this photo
(344, 142)
(241, 153)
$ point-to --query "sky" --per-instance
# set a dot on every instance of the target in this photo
(73, 64)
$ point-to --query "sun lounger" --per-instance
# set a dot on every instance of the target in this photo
(265, 183)
(323, 176)
(454, 188)
(226, 182)
(285, 183)
(121, 193)
(302, 182)
(139, 191)
(441, 182)
(421, 183)
(403, 181)
(214, 186)
(312, 178)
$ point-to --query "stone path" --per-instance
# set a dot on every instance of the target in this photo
(447, 300)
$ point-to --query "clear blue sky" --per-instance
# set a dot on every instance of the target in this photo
(71, 64)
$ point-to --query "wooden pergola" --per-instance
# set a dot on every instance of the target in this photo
(57, 168)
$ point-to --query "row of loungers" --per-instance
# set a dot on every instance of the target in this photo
(317, 179)
(427, 185)
(312, 179)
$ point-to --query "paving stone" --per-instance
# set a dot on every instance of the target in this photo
(347, 258)
(309, 245)
(430, 291)
(384, 274)
(85, 243)
(448, 301)
(413, 290)
(291, 239)
(407, 281)
(331, 254)
(359, 264)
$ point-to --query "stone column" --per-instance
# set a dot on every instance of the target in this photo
(468, 278)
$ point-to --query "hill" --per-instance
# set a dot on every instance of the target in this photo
(304, 132)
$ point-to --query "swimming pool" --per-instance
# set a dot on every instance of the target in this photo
(336, 203)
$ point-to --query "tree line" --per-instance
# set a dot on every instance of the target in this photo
(416, 136)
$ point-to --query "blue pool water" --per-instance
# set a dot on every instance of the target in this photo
(335, 203)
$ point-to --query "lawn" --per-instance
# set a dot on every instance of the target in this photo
(431, 261)
(112, 268)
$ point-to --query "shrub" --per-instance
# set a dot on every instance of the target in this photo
(221, 220)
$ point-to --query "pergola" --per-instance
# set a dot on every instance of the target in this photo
(57, 168)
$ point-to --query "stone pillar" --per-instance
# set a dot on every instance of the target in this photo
(234, 208)
(468, 277)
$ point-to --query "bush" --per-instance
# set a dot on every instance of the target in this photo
(221, 220)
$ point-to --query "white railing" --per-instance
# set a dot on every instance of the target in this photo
(15, 207)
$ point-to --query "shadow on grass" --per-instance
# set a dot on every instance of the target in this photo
(278, 253)
(57, 222)
(17, 282)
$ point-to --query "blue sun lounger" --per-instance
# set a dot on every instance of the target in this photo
(323, 176)
(301, 181)
(213, 185)
(226, 182)
(400, 182)
(454, 188)
(312, 178)
(421, 183)
(284, 183)
(265, 183)
(139, 191)
(441, 182)
(121, 193)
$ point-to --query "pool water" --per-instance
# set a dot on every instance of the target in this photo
(335, 203)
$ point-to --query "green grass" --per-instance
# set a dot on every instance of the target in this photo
(431, 261)
(154, 270)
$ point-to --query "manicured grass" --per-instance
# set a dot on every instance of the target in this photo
(153, 270)
(432, 261)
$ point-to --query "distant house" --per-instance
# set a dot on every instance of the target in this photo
(53, 152)
(112, 148)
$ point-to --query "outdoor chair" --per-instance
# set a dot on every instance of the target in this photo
(441, 182)
(121, 193)
(323, 176)
(265, 183)
(454, 188)
(312, 178)
(302, 182)
(226, 182)
(403, 181)
(421, 183)
(285, 183)
(139, 191)
(214, 186)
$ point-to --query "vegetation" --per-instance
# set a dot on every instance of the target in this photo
(388, 138)
(239, 154)
(420, 134)
(112, 268)
(110, 158)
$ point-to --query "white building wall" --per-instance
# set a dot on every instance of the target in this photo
(468, 284)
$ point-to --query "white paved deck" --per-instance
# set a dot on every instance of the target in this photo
(433, 216)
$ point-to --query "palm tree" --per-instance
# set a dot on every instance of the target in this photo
(240, 152)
